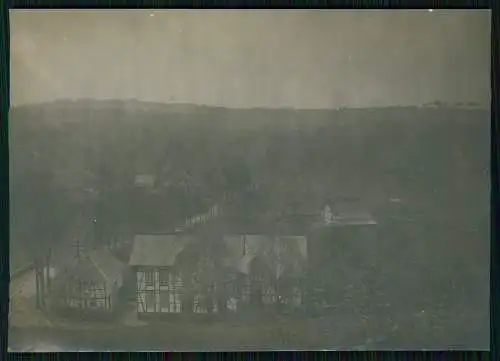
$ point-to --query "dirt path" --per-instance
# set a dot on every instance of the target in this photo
(22, 305)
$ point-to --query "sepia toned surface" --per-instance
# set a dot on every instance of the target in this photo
(220, 180)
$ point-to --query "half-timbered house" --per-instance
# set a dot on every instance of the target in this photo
(160, 285)
(174, 275)
(90, 284)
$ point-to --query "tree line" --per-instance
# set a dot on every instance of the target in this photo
(63, 159)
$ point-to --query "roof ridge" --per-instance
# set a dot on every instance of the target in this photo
(92, 260)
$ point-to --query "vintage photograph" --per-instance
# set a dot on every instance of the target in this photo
(209, 180)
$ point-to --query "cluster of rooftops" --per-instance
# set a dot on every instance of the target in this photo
(161, 250)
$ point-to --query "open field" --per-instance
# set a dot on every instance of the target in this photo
(338, 331)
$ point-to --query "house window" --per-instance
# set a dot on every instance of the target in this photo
(328, 215)
(164, 277)
(200, 303)
(269, 295)
(170, 301)
(74, 302)
(297, 296)
(101, 302)
(150, 301)
(149, 277)
(205, 300)
(246, 289)
(165, 301)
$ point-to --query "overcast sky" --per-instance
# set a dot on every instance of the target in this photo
(301, 59)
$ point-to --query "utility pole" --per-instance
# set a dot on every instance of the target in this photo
(78, 248)
(44, 287)
(38, 281)
(47, 268)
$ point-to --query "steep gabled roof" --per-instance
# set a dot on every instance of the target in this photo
(108, 265)
(290, 261)
(346, 212)
(352, 219)
(97, 266)
(157, 250)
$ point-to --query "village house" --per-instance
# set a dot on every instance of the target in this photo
(267, 271)
(345, 213)
(89, 283)
(146, 181)
(168, 270)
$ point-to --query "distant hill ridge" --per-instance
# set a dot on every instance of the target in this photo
(69, 111)
(134, 104)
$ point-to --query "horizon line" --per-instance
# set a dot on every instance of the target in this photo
(426, 105)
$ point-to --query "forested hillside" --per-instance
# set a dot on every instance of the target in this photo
(65, 153)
